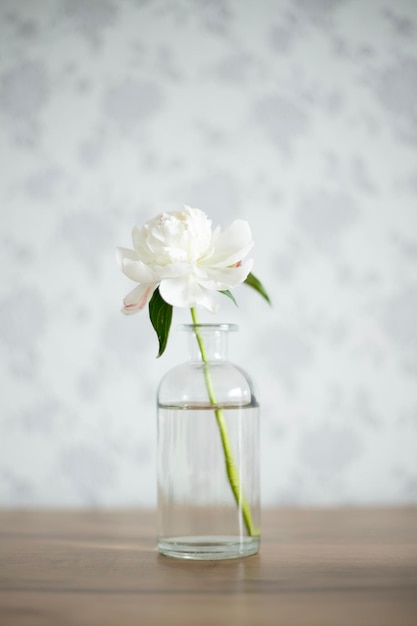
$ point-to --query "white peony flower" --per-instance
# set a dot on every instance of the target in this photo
(179, 252)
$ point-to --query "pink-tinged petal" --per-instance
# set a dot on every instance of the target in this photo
(231, 245)
(137, 299)
(226, 277)
(185, 292)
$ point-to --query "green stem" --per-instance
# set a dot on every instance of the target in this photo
(231, 469)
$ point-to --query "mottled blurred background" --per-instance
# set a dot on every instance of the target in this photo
(297, 115)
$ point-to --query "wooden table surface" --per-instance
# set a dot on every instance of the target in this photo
(316, 567)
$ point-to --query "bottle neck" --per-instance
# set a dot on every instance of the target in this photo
(213, 341)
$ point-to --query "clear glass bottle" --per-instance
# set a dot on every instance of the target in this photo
(208, 453)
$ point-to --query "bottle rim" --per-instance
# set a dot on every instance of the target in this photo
(222, 327)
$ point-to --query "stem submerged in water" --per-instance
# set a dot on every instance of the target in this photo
(231, 469)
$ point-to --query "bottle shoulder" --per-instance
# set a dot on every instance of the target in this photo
(188, 382)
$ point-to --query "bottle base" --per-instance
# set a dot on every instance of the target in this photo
(209, 548)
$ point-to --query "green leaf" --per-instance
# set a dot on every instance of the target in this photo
(160, 313)
(229, 295)
(256, 284)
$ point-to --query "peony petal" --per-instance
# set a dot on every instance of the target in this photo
(185, 292)
(231, 245)
(174, 270)
(138, 271)
(221, 278)
(141, 244)
(125, 253)
(137, 299)
(138, 239)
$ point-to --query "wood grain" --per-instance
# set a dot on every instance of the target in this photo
(341, 566)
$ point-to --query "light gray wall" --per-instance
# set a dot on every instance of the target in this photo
(299, 116)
